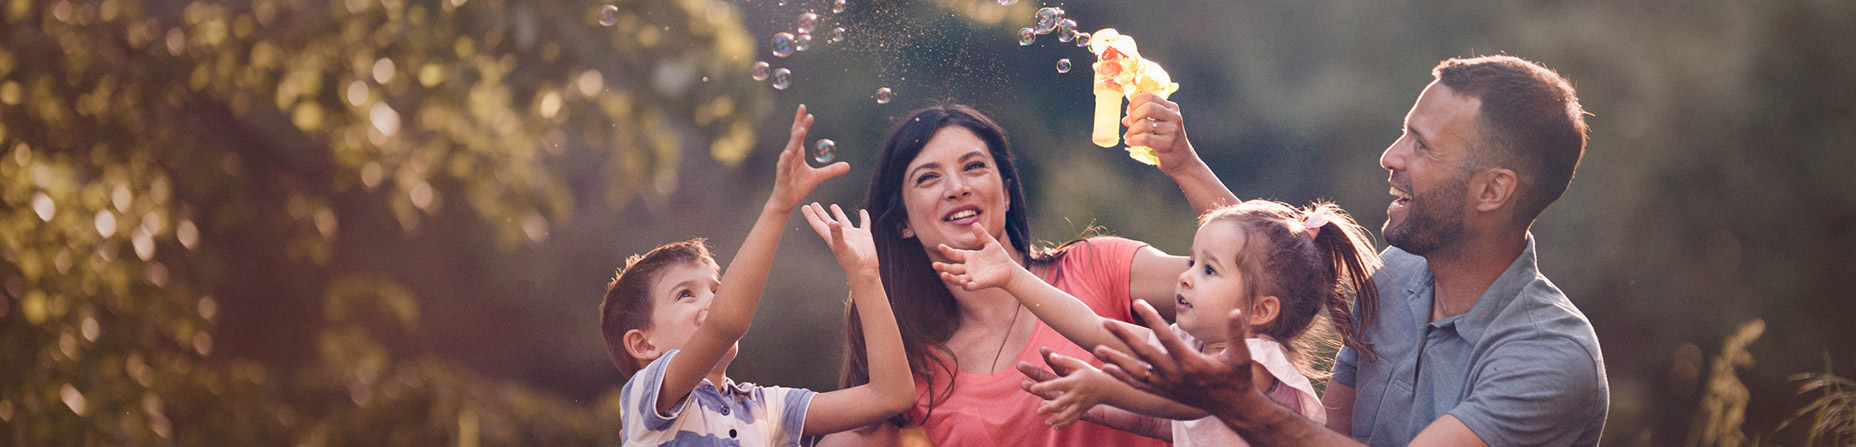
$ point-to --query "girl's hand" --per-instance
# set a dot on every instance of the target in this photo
(855, 250)
(1071, 393)
(793, 179)
(973, 270)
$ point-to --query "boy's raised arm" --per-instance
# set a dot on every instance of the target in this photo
(739, 294)
(891, 389)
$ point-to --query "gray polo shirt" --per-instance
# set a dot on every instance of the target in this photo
(1522, 367)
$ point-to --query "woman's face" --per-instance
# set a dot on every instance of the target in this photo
(954, 183)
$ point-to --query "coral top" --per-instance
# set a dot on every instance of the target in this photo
(990, 409)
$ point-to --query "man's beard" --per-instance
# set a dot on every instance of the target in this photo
(1434, 220)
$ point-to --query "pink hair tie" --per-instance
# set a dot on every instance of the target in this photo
(1314, 224)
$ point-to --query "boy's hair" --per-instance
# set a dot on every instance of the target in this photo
(1306, 274)
(628, 305)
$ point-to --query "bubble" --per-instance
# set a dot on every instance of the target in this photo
(1066, 30)
(1007, 2)
(762, 70)
(1047, 19)
(1082, 39)
(782, 78)
(882, 95)
(803, 42)
(782, 44)
(825, 151)
(837, 6)
(806, 22)
(837, 34)
(608, 15)
(1026, 36)
(1063, 65)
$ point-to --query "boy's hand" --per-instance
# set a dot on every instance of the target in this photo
(852, 244)
(989, 266)
(794, 179)
(1071, 393)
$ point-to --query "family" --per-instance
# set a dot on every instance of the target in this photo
(1449, 337)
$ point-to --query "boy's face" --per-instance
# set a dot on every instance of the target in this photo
(679, 303)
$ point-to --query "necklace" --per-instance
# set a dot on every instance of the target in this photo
(994, 366)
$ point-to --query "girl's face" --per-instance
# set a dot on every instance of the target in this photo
(952, 184)
(1212, 284)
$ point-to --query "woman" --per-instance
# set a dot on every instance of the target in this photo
(947, 173)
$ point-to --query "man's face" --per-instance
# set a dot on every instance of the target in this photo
(1428, 174)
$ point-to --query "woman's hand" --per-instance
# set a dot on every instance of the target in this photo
(850, 243)
(989, 266)
(793, 179)
(1071, 393)
(1156, 122)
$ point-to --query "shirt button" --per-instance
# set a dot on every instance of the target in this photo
(724, 411)
(731, 433)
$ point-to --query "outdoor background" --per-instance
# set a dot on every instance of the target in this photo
(390, 222)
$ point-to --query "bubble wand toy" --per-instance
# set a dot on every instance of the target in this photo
(1121, 72)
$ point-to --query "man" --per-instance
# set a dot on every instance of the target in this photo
(1471, 345)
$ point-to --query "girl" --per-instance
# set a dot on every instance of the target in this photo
(1280, 264)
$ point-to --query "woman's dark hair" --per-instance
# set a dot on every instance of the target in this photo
(925, 310)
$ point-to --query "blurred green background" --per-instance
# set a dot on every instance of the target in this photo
(390, 222)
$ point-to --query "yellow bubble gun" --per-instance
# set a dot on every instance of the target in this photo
(1122, 73)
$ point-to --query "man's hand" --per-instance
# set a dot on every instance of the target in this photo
(1178, 372)
(794, 179)
(1155, 122)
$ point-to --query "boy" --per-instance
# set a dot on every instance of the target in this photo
(672, 326)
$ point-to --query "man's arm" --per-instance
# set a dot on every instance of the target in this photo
(1157, 123)
(1339, 403)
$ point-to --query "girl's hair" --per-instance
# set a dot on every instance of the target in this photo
(925, 310)
(1306, 274)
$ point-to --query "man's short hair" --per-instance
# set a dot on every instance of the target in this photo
(628, 305)
(1530, 120)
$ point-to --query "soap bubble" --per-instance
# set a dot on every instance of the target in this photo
(806, 22)
(804, 42)
(837, 6)
(782, 78)
(761, 70)
(782, 44)
(882, 95)
(1026, 36)
(1063, 65)
(837, 34)
(608, 15)
(1082, 39)
(1007, 2)
(1066, 30)
(1047, 19)
(825, 151)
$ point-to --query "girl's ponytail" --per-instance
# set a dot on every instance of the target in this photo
(1349, 251)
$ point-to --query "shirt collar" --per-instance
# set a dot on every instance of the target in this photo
(1503, 291)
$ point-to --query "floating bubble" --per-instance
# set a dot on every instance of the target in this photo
(1047, 19)
(1026, 36)
(608, 15)
(837, 6)
(837, 34)
(825, 151)
(782, 2)
(806, 22)
(1082, 39)
(1066, 30)
(761, 71)
(782, 78)
(882, 95)
(782, 44)
(1063, 65)
(803, 42)
(1007, 2)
